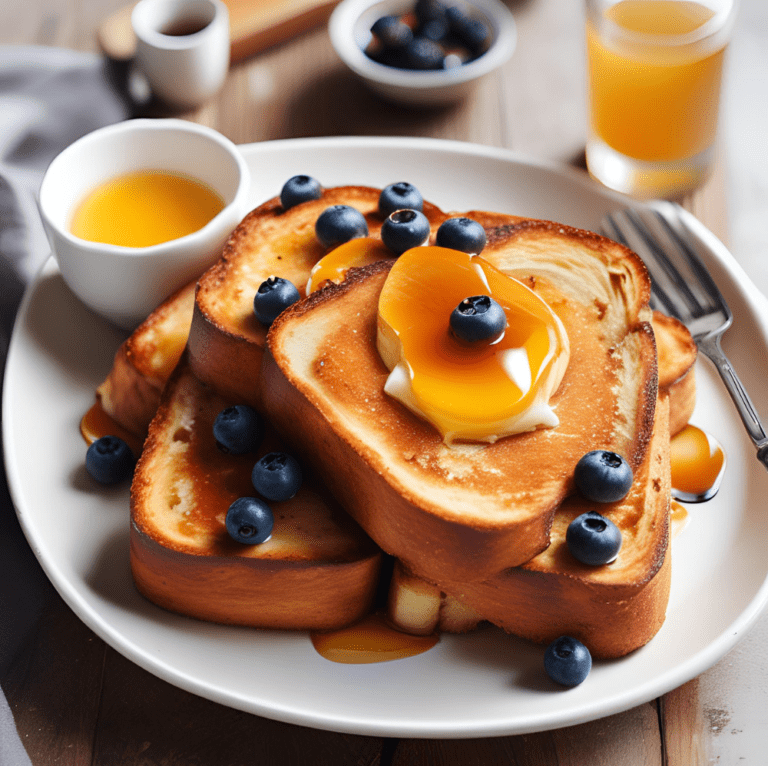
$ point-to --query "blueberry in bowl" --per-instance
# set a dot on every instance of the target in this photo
(422, 53)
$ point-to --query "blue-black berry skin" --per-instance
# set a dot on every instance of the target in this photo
(272, 298)
(403, 230)
(277, 476)
(249, 521)
(391, 32)
(299, 189)
(478, 319)
(109, 460)
(339, 224)
(603, 476)
(462, 234)
(423, 54)
(567, 661)
(593, 539)
(400, 196)
(238, 429)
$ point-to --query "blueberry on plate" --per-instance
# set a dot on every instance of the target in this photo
(603, 476)
(567, 661)
(461, 234)
(477, 319)
(404, 229)
(249, 521)
(339, 224)
(238, 429)
(423, 54)
(109, 460)
(277, 476)
(299, 189)
(593, 539)
(274, 295)
(399, 196)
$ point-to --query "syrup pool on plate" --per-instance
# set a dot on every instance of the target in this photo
(145, 208)
(698, 463)
(370, 640)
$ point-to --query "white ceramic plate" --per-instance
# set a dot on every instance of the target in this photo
(481, 684)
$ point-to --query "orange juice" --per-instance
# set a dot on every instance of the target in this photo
(654, 83)
(145, 208)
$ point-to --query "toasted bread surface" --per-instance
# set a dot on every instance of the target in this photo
(130, 394)
(468, 511)
(677, 355)
(318, 570)
(226, 340)
(614, 608)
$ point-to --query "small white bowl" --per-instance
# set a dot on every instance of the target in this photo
(124, 284)
(349, 28)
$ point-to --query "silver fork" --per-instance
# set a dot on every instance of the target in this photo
(683, 288)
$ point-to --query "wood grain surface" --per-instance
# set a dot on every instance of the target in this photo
(77, 702)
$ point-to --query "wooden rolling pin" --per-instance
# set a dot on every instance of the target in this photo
(253, 25)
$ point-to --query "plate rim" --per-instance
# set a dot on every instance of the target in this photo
(694, 665)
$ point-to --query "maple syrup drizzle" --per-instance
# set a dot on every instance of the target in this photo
(678, 517)
(698, 463)
(370, 640)
(96, 423)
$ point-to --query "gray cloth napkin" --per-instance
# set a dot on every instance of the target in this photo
(49, 97)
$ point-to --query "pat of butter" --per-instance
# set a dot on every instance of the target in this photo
(475, 394)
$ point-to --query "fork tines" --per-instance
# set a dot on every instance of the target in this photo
(681, 284)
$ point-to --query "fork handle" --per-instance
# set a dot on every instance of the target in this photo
(711, 348)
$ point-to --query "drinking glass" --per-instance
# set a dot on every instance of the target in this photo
(655, 72)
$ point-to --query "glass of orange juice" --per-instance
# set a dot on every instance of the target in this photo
(654, 72)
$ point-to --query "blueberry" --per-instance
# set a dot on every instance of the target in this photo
(299, 189)
(404, 229)
(428, 10)
(479, 318)
(391, 32)
(399, 196)
(277, 476)
(434, 29)
(603, 477)
(475, 34)
(238, 429)
(339, 224)
(424, 54)
(461, 234)
(249, 521)
(593, 539)
(567, 661)
(274, 295)
(109, 460)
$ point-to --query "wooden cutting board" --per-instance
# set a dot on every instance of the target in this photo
(253, 24)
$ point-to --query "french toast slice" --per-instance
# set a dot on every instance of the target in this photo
(613, 609)
(130, 394)
(226, 341)
(319, 570)
(466, 512)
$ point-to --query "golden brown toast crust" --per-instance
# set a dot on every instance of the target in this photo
(474, 517)
(226, 341)
(613, 609)
(319, 569)
(677, 356)
(130, 394)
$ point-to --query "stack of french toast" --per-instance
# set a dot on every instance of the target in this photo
(476, 526)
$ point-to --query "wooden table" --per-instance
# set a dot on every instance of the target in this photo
(76, 700)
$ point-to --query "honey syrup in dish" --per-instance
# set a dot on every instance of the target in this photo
(370, 640)
(145, 208)
(698, 463)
